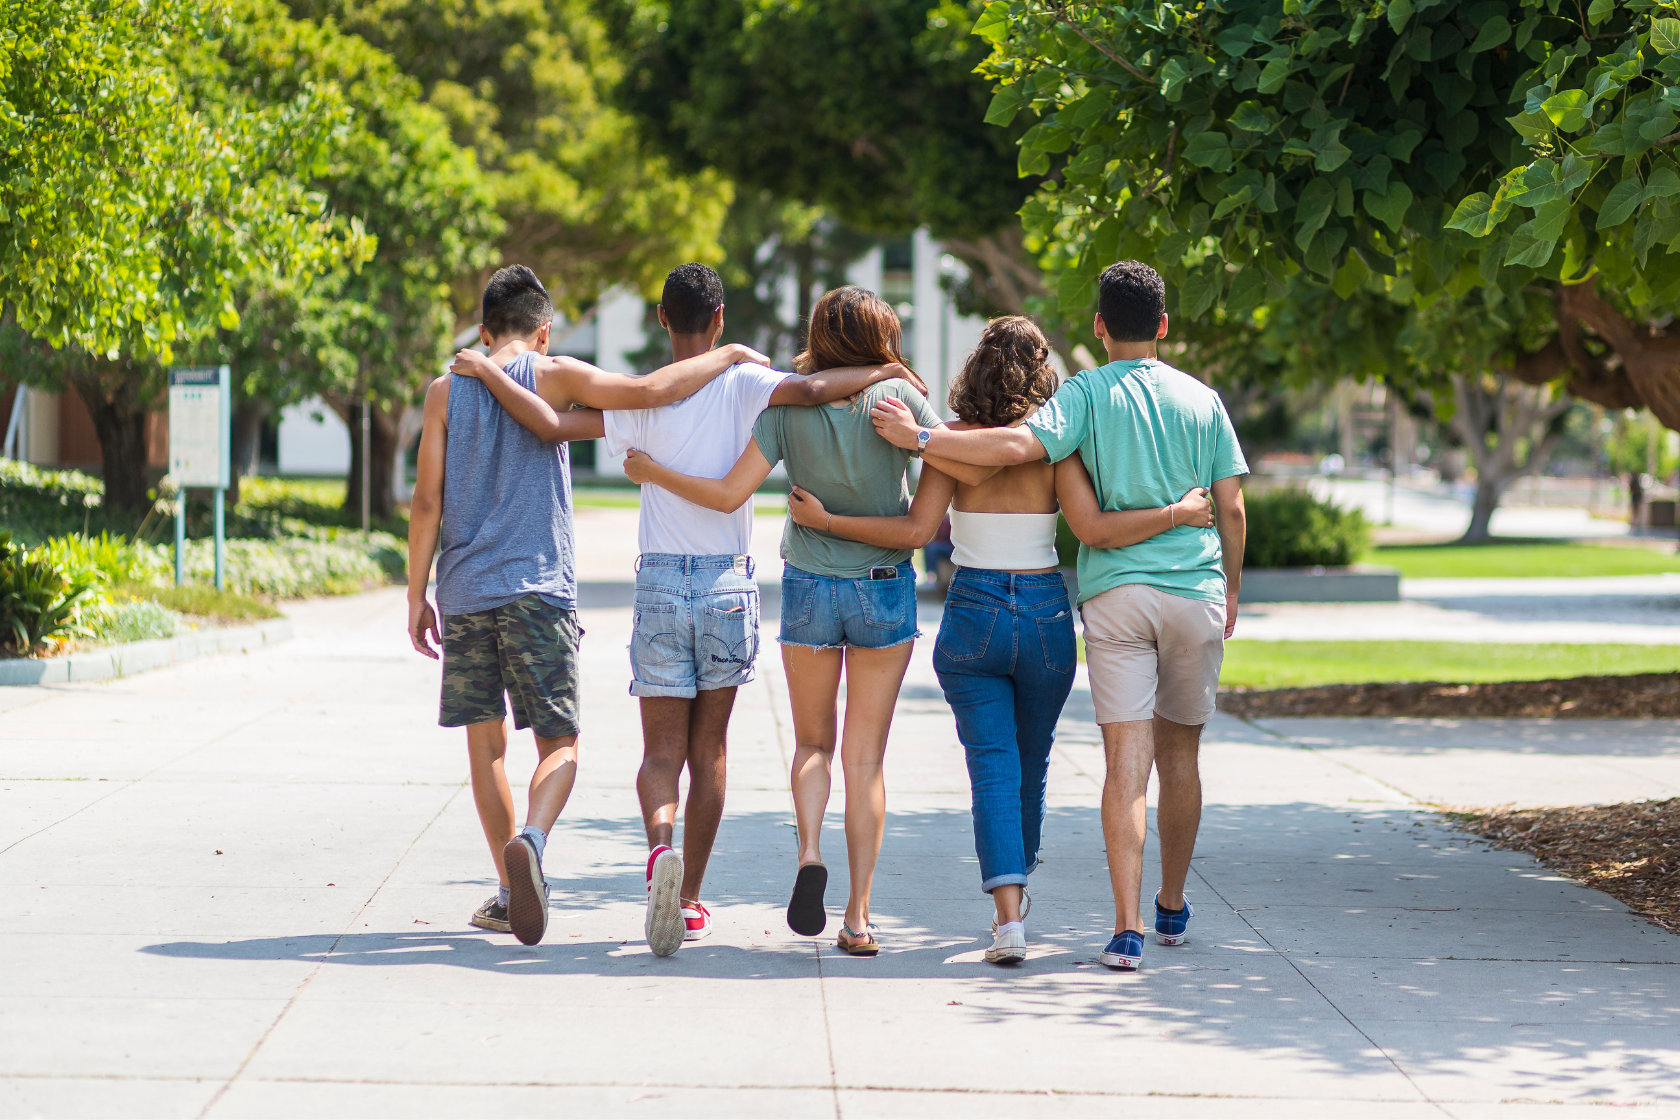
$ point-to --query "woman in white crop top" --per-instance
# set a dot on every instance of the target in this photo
(1006, 653)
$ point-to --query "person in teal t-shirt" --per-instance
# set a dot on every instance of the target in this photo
(1156, 613)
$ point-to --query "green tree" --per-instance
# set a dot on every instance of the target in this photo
(1422, 148)
(530, 86)
(374, 334)
(141, 191)
(869, 109)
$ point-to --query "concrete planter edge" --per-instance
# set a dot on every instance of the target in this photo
(1360, 583)
(138, 657)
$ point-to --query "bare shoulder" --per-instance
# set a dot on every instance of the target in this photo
(437, 393)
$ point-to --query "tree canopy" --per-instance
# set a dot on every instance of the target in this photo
(530, 86)
(1422, 148)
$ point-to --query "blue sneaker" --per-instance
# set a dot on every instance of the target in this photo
(1124, 951)
(1170, 924)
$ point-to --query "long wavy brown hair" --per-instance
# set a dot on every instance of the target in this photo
(1007, 375)
(853, 327)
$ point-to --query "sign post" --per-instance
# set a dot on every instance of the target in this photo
(200, 400)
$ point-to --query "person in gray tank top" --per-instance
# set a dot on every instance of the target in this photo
(497, 500)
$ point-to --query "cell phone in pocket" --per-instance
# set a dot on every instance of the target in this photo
(883, 572)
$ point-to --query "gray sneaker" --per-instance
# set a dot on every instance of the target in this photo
(1009, 946)
(492, 916)
(527, 909)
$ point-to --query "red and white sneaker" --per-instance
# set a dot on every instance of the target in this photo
(664, 927)
(698, 919)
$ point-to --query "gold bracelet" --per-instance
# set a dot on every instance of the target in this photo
(1172, 517)
(830, 524)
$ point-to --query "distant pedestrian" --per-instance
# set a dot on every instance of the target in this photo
(498, 500)
(1006, 653)
(1156, 613)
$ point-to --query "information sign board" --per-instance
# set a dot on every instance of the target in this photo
(199, 452)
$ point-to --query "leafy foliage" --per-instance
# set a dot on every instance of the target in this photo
(1422, 148)
(1293, 529)
(530, 86)
(40, 597)
(137, 190)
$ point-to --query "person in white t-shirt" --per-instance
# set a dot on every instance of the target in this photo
(695, 634)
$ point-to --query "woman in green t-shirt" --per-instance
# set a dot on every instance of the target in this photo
(846, 605)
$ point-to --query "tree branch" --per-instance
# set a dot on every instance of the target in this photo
(1060, 12)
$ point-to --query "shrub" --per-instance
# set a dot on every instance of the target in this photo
(286, 568)
(137, 620)
(41, 597)
(1293, 529)
(206, 602)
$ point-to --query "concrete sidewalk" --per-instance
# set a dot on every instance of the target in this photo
(240, 887)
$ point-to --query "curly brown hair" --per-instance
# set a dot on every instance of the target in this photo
(1006, 376)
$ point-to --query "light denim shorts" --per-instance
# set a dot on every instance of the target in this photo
(696, 624)
(825, 612)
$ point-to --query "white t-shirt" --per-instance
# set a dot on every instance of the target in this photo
(703, 436)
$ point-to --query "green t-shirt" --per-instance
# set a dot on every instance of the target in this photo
(1147, 434)
(834, 453)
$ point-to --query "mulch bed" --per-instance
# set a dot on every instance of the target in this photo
(1630, 852)
(1636, 696)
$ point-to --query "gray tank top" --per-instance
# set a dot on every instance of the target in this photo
(507, 506)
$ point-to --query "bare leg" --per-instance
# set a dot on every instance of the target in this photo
(665, 721)
(486, 749)
(551, 784)
(1007, 900)
(813, 684)
(873, 677)
(1180, 813)
(1130, 749)
(708, 778)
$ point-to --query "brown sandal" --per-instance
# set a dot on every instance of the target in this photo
(863, 944)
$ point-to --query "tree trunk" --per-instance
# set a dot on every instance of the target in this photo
(111, 391)
(384, 428)
(1008, 276)
(806, 277)
(247, 442)
(1481, 510)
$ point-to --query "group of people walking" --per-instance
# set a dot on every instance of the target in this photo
(1139, 458)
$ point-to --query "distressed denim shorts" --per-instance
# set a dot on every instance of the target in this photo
(825, 612)
(696, 624)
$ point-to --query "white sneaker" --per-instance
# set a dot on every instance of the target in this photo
(664, 927)
(1009, 945)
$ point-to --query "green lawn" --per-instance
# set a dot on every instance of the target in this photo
(1258, 664)
(1523, 558)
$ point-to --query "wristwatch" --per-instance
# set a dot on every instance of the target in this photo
(922, 437)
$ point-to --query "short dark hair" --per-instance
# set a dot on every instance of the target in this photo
(515, 303)
(1131, 299)
(692, 295)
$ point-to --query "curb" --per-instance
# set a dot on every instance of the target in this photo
(137, 657)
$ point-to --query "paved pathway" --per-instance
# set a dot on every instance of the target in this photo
(240, 888)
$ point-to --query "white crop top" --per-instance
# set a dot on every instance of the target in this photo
(1007, 542)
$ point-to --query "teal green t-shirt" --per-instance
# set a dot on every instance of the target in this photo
(1148, 434)
(833, 452)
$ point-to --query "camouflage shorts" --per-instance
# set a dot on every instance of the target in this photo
(527, 649)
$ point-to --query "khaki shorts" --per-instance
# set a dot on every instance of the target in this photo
(1153, 654)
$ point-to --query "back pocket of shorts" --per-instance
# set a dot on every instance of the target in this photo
(1055, 637)
(882, 601)
(656, 634)
(799, 597)
(728, 635)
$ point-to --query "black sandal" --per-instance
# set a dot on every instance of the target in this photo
(805, 913)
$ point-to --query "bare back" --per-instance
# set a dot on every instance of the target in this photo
(1028, 488)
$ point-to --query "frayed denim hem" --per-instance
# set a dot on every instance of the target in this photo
(848, 645)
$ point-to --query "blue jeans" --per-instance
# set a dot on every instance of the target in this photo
(1005, 658)
(826, 612)
(696, 624)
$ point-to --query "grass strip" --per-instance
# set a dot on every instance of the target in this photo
(1523, 559)
(1260, 664)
